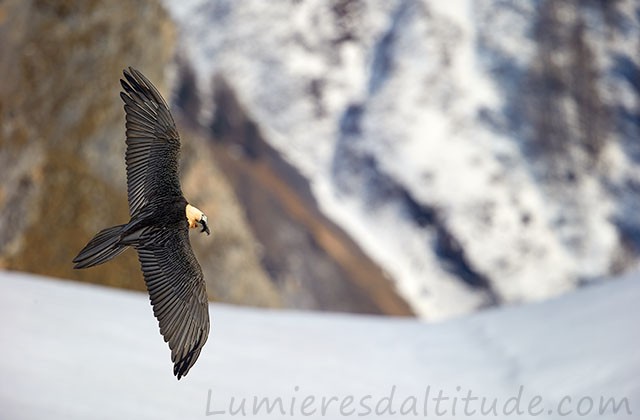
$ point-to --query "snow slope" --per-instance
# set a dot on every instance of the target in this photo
(74, 351)
(416, 124)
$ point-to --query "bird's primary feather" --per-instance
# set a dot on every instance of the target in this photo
(153, 143)
(176, 289)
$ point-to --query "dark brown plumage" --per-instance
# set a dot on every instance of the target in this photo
(159, 225)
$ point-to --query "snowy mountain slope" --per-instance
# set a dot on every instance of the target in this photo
(480, 151)
(74, 351)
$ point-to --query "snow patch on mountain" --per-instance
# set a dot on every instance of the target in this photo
(411, 121)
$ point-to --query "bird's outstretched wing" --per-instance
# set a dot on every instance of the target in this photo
(153, 143)
(177, 292)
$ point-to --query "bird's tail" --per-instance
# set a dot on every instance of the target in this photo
(103, 247)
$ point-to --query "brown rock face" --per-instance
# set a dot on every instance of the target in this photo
(311, 261)
(62, 145)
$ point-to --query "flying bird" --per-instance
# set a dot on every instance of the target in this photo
(159, 226)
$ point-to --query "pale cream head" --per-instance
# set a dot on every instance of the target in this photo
(196, 217)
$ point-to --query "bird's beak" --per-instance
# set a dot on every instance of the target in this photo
(205, 227)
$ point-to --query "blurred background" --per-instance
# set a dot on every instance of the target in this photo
(442, 162)
(401, 157)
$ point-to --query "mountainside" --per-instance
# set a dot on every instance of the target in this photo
(481, 152)
(62, 145)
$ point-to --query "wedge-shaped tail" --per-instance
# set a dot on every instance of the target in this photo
(103, 247)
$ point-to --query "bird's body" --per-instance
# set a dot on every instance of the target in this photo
(159, 224)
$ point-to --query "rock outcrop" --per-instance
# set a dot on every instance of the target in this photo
(62, 145)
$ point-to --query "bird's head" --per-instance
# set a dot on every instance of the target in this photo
(196, 218)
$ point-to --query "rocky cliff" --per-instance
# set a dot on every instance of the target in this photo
(62, 145)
